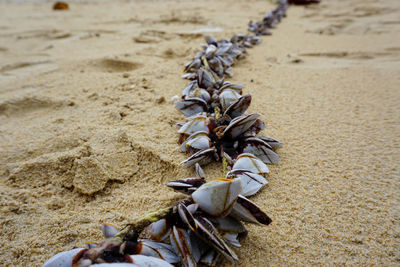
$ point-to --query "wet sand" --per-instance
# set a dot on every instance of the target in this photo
(88, 135)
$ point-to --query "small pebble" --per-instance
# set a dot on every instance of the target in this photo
(160, 100)
(60, 6)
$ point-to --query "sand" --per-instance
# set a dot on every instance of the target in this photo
(88, 135)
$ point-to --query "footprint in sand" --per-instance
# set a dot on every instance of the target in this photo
(152, 36)
(19, 65)
(48, 34)
(22, 105)
(20, 68)
(182, 19)
(351, 18)
(116, 65)
(349, 55)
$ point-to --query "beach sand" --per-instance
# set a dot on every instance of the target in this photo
(88, 129)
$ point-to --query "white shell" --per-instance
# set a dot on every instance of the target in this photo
(237, 87)
(158, 230)
(62, 259)
(251, 182)
(189, 76)
(241, 213)
(120, 264)
(203, 156)
(199, 171)
(205, 79)
(238, 107)
(198, 141)
(190, 87)
(192, 90)
(240, 125)
(191, 106)
(229, 224)
(210, 49)
(217, 196)
(146, 261)
(197, 246)
(223, 48)
(200, 93)
(195, 124)
(227, 97)
(247, 161)
(232, 239)
(159, 250)
(180, 241)
(108, 230)
(246, 210)
(275, 144)
(195, 63)
(192, 208)
(266, 154)
(212, 237)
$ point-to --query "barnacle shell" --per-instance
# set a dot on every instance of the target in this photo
(229, 224)
(247, 211)
(187, 217)
(204, 79)
(261, 149)
(108, 230)
(194, 64)
(158, 230)
(146, 261)
(251, 182)
(195, 124)
(247, 161)
(228, 96)
(199, 171)
(191, 106)
(232, 239)
(181, 242)
(239, 125)
(158, 250)
(210, 50)
(197, 141)
(209, 234)
(238, 107)
(275, 144)
(186, 185)
(119, 264)
(217, 196)
(62, 259)
(201, 157)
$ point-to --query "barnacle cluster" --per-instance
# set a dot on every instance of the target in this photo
(201, 228)
(218, 125)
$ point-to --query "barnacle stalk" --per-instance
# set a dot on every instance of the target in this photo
(114, 244)
(132, 230)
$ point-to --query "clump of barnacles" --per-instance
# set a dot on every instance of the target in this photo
(270, 20)
(222, 128)
(197, 230)
(201, 228)
(218, 125)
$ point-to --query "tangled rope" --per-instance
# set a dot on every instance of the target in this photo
(201, 228)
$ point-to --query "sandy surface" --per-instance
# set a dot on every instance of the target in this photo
(86, 136)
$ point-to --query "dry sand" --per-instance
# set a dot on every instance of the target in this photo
(86, 136)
